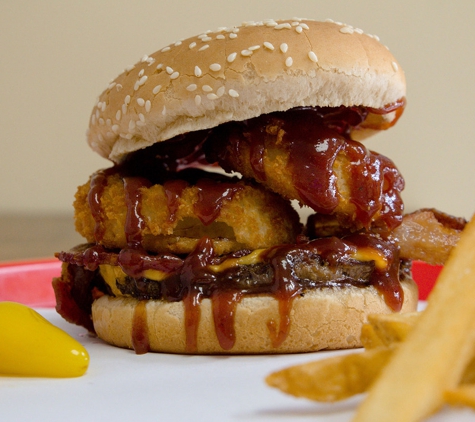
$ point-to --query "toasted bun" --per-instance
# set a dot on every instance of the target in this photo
(239, 73)
(321, 319)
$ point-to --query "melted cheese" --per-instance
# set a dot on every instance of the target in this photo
(113, 275)
(370, 254)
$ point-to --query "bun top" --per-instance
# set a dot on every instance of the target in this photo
(238, 73)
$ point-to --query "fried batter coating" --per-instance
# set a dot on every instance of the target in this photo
(305, 161)
(426, 235)
(245, 217)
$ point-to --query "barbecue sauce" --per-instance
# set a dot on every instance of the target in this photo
(314, 137)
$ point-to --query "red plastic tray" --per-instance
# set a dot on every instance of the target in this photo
(29, 282)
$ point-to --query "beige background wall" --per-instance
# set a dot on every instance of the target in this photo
(57, 56)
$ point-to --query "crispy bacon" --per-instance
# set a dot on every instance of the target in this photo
(428, 235)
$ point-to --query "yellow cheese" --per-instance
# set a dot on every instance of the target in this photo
(253, 258)
(370, 254)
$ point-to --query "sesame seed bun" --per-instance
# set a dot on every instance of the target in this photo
(321, 319)
(239, 73)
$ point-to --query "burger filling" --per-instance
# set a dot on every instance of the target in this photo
(158, 229)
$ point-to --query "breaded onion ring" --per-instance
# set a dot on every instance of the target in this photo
(235, 214)
(302, 157)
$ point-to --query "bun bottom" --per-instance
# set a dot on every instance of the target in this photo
(329, 318)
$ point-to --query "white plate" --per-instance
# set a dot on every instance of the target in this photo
(122, 386)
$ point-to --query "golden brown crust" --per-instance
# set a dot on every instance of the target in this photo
(239, 73)
(321, 319)
(253, 218)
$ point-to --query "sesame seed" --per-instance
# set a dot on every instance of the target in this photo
(358, 31)
(284, 47)
(140, 102)
(103, 106)
(164, 111)
(212, 96)
(347, 30)
(108, 122)
(169, 70)
(192, 45)
(191, 87)
(285, 25)
(395, 66)
(232, 35)
(289, 61)
(136, 86)
(298, 29)
(118, 87)
(254, 47)
(215, 67)
(124, 108)
(174, 75)
(142, 80)
(159, 66)
(198, 72)
(304, 25)
(101, 121)
(141, 117)
(295, 23)
(206, 88)
(221, 90)
(93, 119)
(246, 53)
(231, 57)
(198, 100)
(148, 106)
(206, 39)
(312, 56)
(115, 129)
(204, 47)
(268, 45)
(126, 136)
(164, 50)
(127, 99)
(144, 58)
(131, 125)
(220, 37)
(111, 85)
(129, 68)
(233, 93)
(156, 90)
(178, 43)
(140, 123)
(141, 72)
(118, 115)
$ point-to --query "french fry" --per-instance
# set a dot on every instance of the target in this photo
(436, 352)
(332, 379)
(393, 328)
(461, 396)
(369, 337)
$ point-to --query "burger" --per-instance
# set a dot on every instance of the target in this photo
(193, 236)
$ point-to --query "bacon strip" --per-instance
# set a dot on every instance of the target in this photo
(428, 235)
